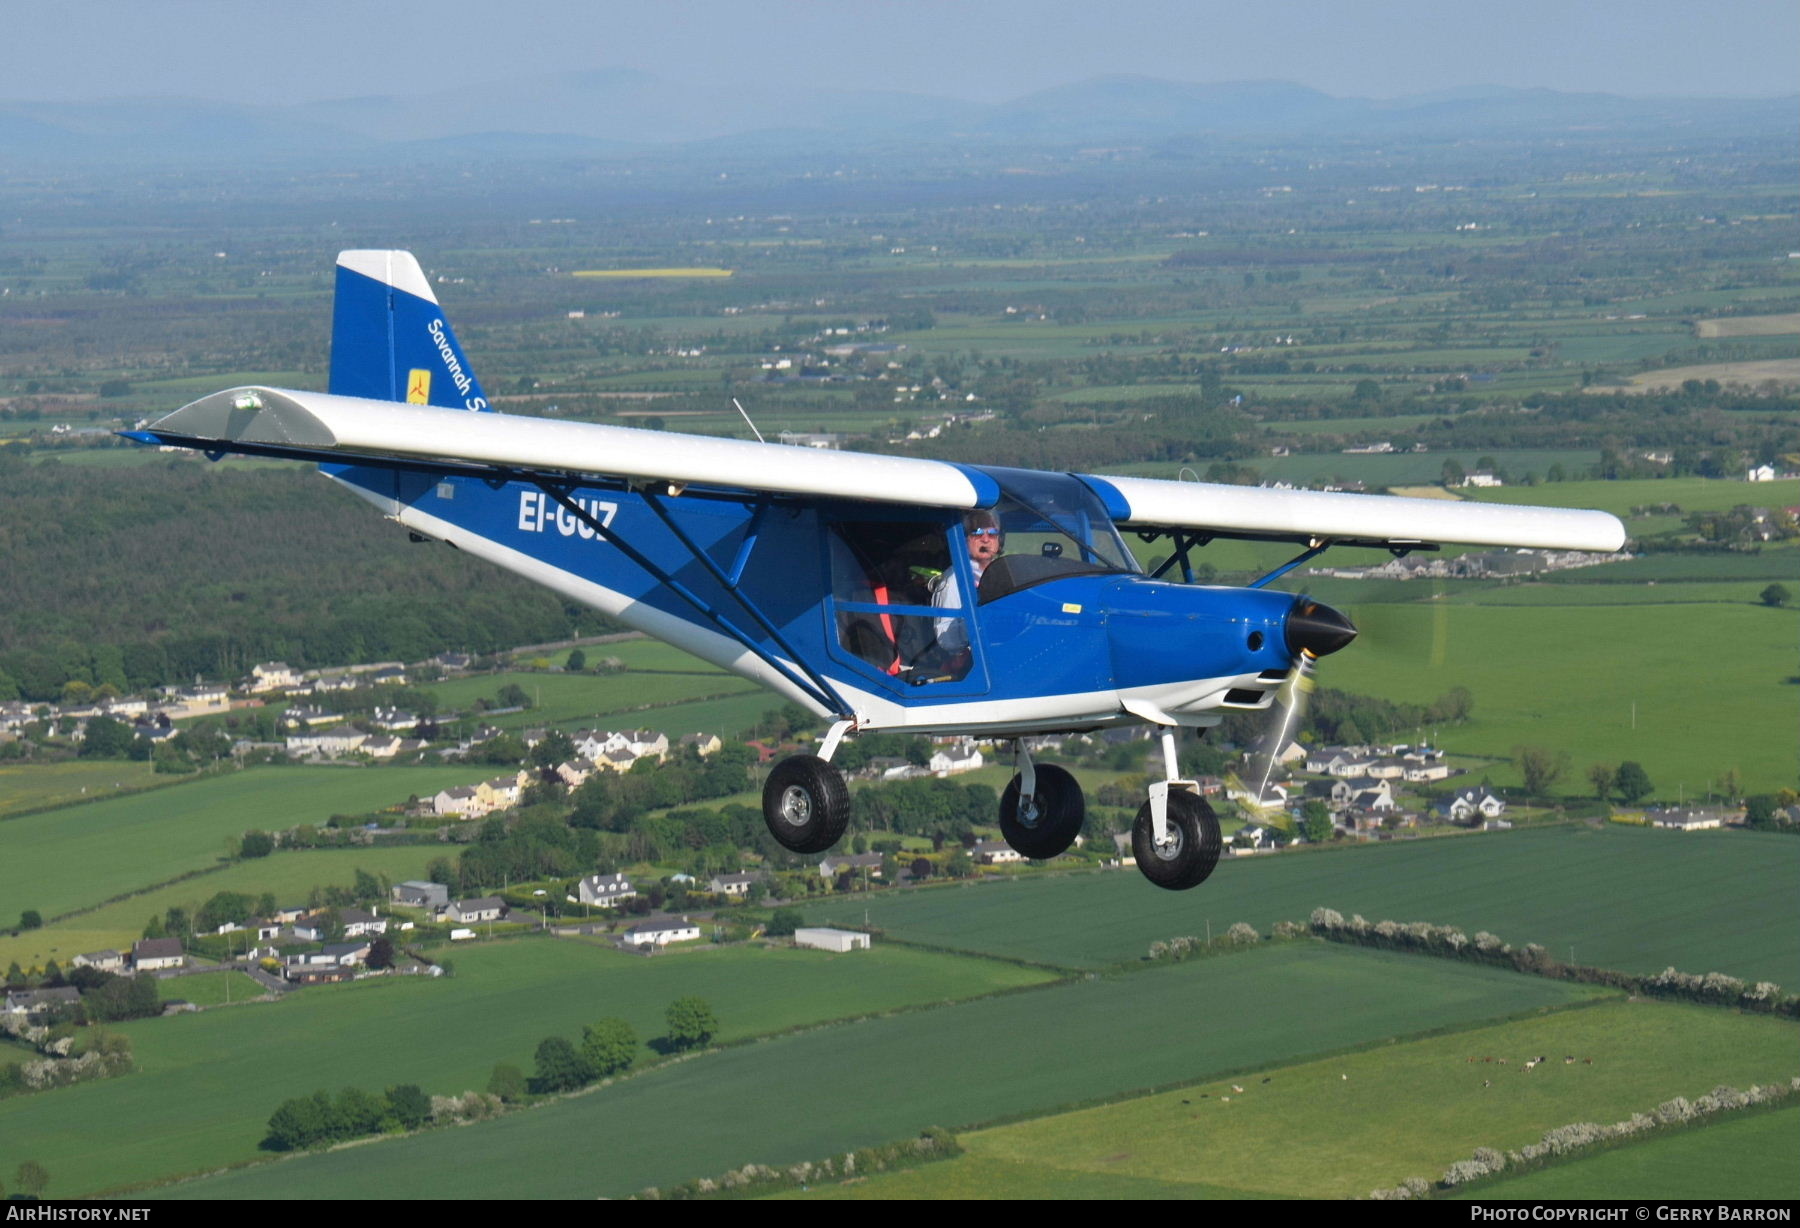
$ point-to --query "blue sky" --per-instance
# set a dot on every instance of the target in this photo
(975, 49)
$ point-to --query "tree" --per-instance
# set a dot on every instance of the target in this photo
(784, 921)
(691, 1023)
(360, 1112)
(1632, 782)
(1776, 596)
(559, 1067)
(256, 844)
(106, 738)
(1318, 820)
(1541, 767)
(508, 1083)
(381, 953)
(409, 1105)
(577, 661)
(302, 1122)
(31, 919)
(31, 1179)
(609, 1046)
(1601, 777)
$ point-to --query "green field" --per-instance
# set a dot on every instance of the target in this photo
(1628, 898)
(1568, 677)
(34, 786)
(1690, 494)
(81, 855)
(1744, 592)
(1737, 1158)
(1374, 1118)
(819, 1093)
(213, 989)
(1414, 468)
(290, 875)
(566, 699)
(208, 1082)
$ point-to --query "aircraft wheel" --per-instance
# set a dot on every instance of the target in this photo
(806, 804)
(1193, 847)
(1040, 827)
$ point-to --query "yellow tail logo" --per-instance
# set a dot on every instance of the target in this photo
(418, 387)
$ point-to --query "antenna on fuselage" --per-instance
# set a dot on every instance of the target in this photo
(747, 422)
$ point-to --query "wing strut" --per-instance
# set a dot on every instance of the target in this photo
(813, 684)
(1314, 549)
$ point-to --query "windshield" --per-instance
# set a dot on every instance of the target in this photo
(1053, 526)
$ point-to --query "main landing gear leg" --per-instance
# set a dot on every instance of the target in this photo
(1176, 836)
(806, 802)
(1042, 809)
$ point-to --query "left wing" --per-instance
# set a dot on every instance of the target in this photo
(323, 427)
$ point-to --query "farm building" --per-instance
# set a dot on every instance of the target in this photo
(831, 940)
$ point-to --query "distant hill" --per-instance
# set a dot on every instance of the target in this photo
(617, 110)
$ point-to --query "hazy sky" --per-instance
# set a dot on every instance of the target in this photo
(975, 49)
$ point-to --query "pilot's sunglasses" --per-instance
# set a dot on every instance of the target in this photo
(984, 532)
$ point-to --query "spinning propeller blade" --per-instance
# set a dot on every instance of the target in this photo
(1313, 630)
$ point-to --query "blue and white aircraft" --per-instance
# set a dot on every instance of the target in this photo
(879, 592)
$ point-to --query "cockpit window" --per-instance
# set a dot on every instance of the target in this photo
(1054, 526)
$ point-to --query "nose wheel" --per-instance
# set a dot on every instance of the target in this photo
(1044, 822)
(1190, 847)
(806, 804)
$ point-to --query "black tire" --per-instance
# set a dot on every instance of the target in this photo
(1193, 850)
(1048, 823)
(806, 804)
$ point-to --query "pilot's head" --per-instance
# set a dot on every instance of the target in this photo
(982, 531)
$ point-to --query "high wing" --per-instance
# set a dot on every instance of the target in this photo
(329, 428)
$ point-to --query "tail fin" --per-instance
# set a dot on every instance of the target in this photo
(389, 340)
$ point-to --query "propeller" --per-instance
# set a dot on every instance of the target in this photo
(1314, 630)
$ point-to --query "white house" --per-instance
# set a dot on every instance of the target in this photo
(733, 884)
(605, 890)
(272, 676)
(487, 908)
(1470, 803)
(151, 954)
(962, 756)
(996, 853)
(661, 931)
(357, 923)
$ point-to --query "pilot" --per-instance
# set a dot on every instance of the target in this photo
(982, 532)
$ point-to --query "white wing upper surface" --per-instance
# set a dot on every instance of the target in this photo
(320, 425)
(1373, 518)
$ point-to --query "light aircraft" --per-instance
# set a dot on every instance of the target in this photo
(843, 581)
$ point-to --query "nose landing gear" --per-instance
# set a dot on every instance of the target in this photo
(1175, 839)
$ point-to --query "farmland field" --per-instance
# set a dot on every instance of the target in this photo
(80, 855)
(1627, 898)
(1784, 371)
(1568, 677)
(1690, 494)
(567, 699)
(892, 1076)
(1738, 1158)
(1749, 326)
(207, 1083)
(33, 786)
(1374, 1118)
(290, 875)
